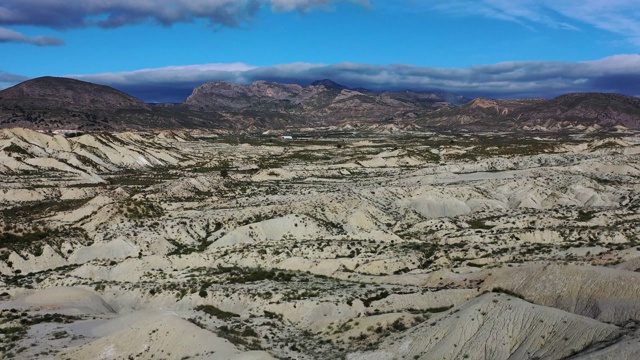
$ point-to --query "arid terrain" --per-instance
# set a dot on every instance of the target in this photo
(385, 244)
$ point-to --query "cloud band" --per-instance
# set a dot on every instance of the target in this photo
(620, 73)
(65, 14)
(7, 35)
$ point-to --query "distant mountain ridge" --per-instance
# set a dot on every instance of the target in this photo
(264, 104)
(223, 95)
(575, 111)
(55, 103)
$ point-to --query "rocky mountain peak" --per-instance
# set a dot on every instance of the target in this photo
(483, 103)
(329, 84)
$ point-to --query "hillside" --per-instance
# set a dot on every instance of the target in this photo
(61, 103)
(47, 93)
(323, 103)
(576, 111)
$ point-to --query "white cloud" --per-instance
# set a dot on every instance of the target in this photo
(169, 74)
(621, 17)
(8, 35)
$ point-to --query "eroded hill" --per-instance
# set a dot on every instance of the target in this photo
(417, 245)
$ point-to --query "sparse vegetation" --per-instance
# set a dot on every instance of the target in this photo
(214, 311)
(315, 253)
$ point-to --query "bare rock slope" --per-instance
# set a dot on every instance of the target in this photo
(609, 295)
(496, 326)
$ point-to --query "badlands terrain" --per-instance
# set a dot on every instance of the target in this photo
(385, 245)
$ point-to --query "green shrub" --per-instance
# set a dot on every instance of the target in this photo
(507, 291)
(214, 311)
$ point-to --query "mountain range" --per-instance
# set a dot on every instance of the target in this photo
(62, 103)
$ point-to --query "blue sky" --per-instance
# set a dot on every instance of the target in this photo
(160, 49)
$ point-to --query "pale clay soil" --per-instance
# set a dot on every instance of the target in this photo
(381, 246)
